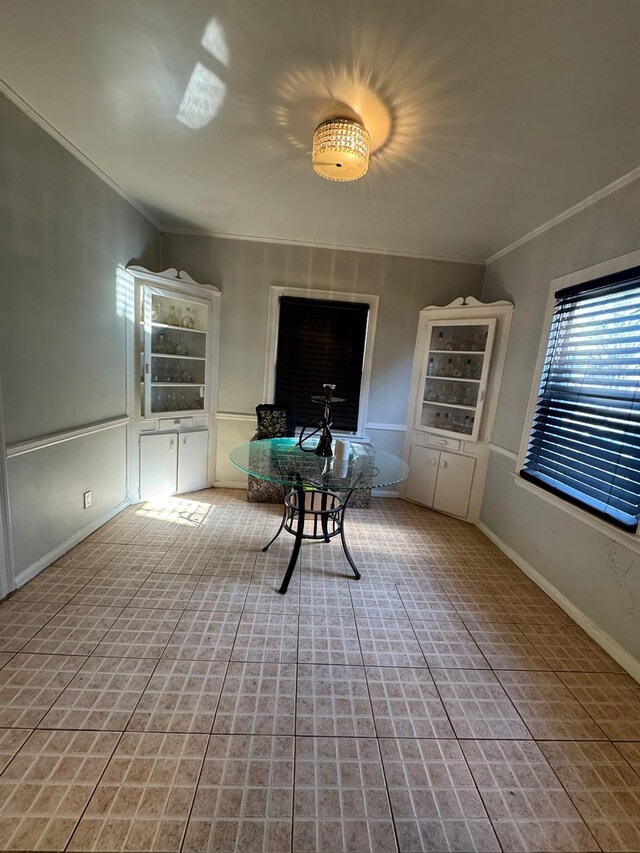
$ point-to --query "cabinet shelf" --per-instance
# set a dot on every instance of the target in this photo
(452, 378)
(188, 357)
(177, 328)
(177, 385)
(458, 351)
(449, 405)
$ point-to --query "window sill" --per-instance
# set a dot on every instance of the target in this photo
(629, 540)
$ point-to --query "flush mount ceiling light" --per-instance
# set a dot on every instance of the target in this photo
(340, 150)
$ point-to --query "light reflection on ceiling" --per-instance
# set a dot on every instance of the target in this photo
(206, 92)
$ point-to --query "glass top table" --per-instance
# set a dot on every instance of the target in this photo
(281, 460)
(316, 488)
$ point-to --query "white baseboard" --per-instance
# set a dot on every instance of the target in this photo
(53, 555)
(611, 646)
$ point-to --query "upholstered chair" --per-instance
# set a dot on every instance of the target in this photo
(273, 422)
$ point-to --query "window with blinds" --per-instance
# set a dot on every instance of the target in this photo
(321, 341)
(585, 437)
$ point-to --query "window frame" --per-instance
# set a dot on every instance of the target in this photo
(609, 267)
(276, 291)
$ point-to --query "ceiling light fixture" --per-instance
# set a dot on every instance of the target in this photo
(340, 150)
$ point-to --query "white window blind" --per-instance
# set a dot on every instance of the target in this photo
(585, 437)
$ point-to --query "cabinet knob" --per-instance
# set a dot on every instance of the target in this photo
(443, 464)
(172, 445)
(433, 461)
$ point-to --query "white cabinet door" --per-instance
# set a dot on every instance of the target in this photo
(158, 465)
(455, 475)
(192, 461)
(423, 473)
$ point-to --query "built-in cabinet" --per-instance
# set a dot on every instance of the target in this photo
(176, 372)
(173, 463)
(455, 380)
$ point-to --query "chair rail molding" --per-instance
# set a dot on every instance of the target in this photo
(31, 445)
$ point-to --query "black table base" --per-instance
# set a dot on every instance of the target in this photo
(323, 514)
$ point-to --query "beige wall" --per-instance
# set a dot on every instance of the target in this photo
(244, 270)
(598, 575)
(63, 233)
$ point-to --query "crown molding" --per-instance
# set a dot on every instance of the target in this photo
(40, 120)
(202, 232)
(567, 214)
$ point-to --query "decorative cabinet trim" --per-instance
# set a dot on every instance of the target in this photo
(170, 276)
(468, 302)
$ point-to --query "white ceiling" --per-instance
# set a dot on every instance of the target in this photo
(498, 114)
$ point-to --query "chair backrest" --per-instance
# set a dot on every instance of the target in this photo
(275, 421)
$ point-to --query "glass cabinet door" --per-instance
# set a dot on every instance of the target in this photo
(455, 376)
(174, 353)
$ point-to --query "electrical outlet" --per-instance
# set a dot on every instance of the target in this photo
(88, 499)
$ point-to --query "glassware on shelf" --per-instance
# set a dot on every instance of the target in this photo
(163, 345)
(172, 318)
(452, 395)
(478, 341)
(440, 342)
(181, 348)
(186, 376)
(436, 421)
(467, 397)
(449, 345)
(447, 422)
(430, 367)
(183, 405)
(448, 368)
(187, 320)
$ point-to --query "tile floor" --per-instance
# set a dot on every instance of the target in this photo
(157, 693)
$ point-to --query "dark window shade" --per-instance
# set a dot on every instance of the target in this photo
(321, 341)
(585, 438)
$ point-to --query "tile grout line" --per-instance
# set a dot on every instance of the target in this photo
(95, 788)
(377, 739)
